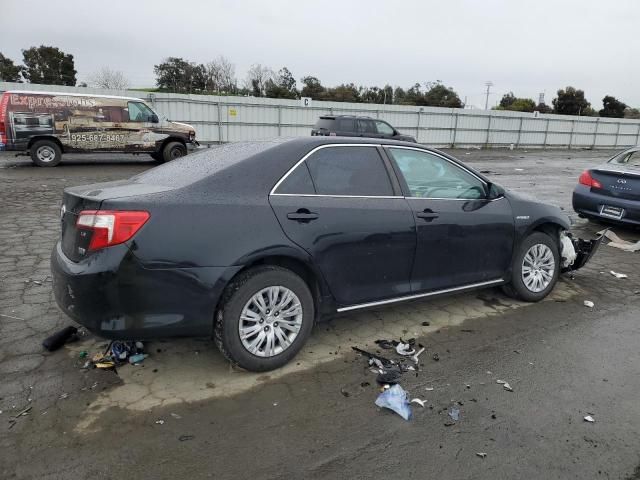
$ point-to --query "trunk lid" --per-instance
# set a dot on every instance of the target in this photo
(618, 182)
(75, 242)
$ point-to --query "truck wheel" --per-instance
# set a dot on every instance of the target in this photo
(266, 316)
(173, 150)
(45, 153)
(535, 268)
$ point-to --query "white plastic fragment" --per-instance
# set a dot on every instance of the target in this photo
(589, 419)
(568, 251)
(618, 275)
(404, 349)
(416, 355)
(507, 387)
(418, 401)
(501, 382)
(160, 422)
(617, 242)
(429, 389)
(589, 303)
(481, 454)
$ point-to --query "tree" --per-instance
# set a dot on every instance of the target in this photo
(48, 65)
(437, 95)
(221, 76)
(612, 107)
(631, 113)
(544, 108)
(507, 100)
(8, 71)
(344, 93)
(257, 78)
(571, 102)
(180, 76)
(110, 79)
(282, 85)
(311, 87)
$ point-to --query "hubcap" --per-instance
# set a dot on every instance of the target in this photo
(538, 267)
(270, 321)
(45, 154)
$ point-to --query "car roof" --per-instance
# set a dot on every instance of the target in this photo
(334, 117)
(66, 94)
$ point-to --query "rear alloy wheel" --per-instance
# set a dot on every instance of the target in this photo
(266, 317)
(173, 150)
(45, 153)
(535, 268)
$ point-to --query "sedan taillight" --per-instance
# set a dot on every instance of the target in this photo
(588, 180)
(110, 227)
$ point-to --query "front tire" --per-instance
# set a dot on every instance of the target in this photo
(266, 317)
(45, 153)
(535, 268)
(173, 150)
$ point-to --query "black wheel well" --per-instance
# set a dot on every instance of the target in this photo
(172, 139)
(551, 229)
(41, 137)
(296, 266)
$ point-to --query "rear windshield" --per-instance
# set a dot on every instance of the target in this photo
(192, 168)
(326, 123)
(627, 158)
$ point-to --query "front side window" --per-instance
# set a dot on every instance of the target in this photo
(139, 112)
(384, 128)
(430, 176)
(350, 171)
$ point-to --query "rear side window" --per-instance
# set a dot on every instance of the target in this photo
(297, 182)
(347, 125)
(366, 126)
(351, 171)
(326, 123)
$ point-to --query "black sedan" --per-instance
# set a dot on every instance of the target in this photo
(611, 191)
(254, 242)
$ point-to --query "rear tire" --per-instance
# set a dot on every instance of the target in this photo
(173, 150)
(538, 256)
(290, 308)
(45, 153)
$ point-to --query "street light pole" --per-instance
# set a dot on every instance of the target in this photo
(489, 84)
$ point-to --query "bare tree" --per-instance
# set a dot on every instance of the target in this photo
(257, 78)
(107, 78)
(221, 75)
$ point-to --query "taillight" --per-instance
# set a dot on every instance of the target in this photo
(110, 227)
(332, 134)
(588, 180)
(3, 113)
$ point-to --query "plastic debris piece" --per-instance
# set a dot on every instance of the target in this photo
(589, 303)
(384, 361)
(137, 358)
(395, 398)
(507, 387)
(105, 365)
(386, 344)
(404, 349)
(83, 354)
(176, 416)
(436, 357)
(184, 438)
(160, 422)
(618, 275)
(501, 382)
(418, 401)
(481, 454)
(63, 396)
(429, 389)
(417, 354)
(454, 413)
(55, 341)
(618, 242)
(589, 419)
(389, 377)
(425, 324)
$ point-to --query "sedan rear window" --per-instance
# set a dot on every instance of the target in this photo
(326, 123)
(352, 171)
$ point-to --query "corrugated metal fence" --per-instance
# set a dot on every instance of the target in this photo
(230, 119)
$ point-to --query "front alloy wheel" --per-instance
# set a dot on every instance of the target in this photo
(538, 267)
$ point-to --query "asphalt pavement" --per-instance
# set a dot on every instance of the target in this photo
(184, 413)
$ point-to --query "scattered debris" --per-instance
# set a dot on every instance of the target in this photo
(344, 393)
(589, 419)
(63, 396)
(436, 357)
(481, 454)
(118, 353)
(184, 438)
(83, 354)
(418, 401)
(618, 242)
(405, 349)
(160, 422)
(9, 316)
(176, 416)
(505, 385)
(395, 398)
(389, 378)
(454, 413)
(372, 356)
(449, 424)
(55, 341)
(589, 303)
(426, 324)
(137, 358)
(429, 389)
(417, 354)
(385, 344)
(618, 275)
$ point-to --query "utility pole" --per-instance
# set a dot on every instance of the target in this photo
(489, 84)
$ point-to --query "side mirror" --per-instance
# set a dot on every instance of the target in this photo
(494, 191)
(154, 118)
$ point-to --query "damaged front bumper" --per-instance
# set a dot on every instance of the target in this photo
(576, 252)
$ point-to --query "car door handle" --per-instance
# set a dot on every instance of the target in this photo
(427, 214)
(302, 215)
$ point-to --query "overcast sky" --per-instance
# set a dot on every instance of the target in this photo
(522, 46)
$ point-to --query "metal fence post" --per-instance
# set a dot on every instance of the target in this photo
(418, 127)
(546, 133)
(519, 132)
(573, 127)
(638, 135)
(595, 134)
(617, 133)
(279, 120)
(486, 143)
(219, 124)
(455, 130)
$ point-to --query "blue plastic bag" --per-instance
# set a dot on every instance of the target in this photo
(396, 399)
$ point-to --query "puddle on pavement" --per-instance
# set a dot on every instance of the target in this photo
(190, 370)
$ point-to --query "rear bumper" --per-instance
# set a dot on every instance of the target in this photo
(588, 203)
(114, 296)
